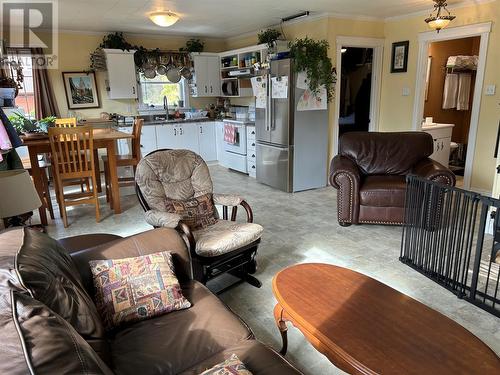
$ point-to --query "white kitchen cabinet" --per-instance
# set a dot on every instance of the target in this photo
(166, 136)
(186, 137)
(441, 134)
(122, 79)
(219, 141)
(206, 78)
(148, 139)
(207, 143)
(251, 152)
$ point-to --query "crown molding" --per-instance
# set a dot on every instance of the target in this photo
(462, 4)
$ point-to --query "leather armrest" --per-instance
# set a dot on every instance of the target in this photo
(346, 177)
(343, 165)
(432, 170)
(227, 199)
(86, 241)
(163, 219)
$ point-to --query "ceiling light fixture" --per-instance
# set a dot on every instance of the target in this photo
(295, 16)
(439, 21)
(164, 19)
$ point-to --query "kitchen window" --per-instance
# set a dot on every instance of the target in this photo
(153, 90)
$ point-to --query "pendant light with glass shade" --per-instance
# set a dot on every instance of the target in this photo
(164, 18)
(439, 20)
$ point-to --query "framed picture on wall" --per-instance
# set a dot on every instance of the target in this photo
(81, 90)
(399, 60)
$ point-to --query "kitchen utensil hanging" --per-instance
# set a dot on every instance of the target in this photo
(173, 73)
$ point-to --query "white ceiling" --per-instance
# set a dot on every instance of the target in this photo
(217, 18)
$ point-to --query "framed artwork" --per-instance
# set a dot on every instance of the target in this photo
(399, 60)
(81, 90)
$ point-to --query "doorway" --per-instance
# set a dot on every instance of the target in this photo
(357, 91)
(426, 39)
(451, 76)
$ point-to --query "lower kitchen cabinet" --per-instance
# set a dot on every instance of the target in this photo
(207, 143)
(219, 142)
(148, 140)
(186, 137)
(166, 136)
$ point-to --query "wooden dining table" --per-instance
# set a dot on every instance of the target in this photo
(103, 138)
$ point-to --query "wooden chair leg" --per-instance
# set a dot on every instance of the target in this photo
(97, 170)
(106, 183)
(46, 194)
(96, 199)
(62, 203)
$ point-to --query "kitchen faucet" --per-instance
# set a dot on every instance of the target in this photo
(165, 104)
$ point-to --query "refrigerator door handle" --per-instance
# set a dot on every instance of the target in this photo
(269, 103)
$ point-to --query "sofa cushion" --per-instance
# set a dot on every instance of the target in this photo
(35, 340)
(39, 266)
(383, 191)
(231, 366)
(138, 288)
(177, 341)
(196, 213)
(225, 236)
(258, 358)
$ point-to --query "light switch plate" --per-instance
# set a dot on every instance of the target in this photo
(490, 90)
(406, 91)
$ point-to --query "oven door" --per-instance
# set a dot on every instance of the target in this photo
(240, 147)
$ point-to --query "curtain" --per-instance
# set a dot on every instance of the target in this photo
(45, 101)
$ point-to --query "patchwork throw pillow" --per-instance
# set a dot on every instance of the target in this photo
(231, 366)
(134, 289)
(197, 213)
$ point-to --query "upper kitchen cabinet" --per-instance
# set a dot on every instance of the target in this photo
(206, 80)
(122, 79)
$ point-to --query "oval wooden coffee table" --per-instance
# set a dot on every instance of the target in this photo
(365, 327)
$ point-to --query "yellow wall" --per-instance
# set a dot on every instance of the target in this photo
(74, 55)
(396, 110)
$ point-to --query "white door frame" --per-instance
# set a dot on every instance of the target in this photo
(424, 39)
(378, 55)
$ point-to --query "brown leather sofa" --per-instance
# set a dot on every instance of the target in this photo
(49, 324)
(370, 174)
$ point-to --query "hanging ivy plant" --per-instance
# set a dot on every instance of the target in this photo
(311, 56)
(193, 45)
(268, 36)
(116, 41)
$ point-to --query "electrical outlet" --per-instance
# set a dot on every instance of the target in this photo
(406, 91)
(490, 90)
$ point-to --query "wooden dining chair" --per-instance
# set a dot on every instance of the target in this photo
(73, 158)
(44, 192)
(68, 122)
(125, 160)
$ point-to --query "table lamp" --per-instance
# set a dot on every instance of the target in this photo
(17, 194)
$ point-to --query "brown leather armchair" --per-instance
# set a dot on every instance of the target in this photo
(370, 174)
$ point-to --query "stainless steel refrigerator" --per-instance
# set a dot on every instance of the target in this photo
(292, 146)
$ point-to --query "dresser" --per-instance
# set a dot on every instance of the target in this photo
(441, 133)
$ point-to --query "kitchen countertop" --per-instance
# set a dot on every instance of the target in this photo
(177, 121)
(244, 122)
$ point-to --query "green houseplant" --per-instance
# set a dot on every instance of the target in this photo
(24, 125)
(268, 36)
(311, 56)
(193, 45)
(116, 41)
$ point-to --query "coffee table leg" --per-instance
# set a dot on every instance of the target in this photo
(281, 323)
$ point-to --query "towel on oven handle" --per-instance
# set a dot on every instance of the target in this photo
(230, 134)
